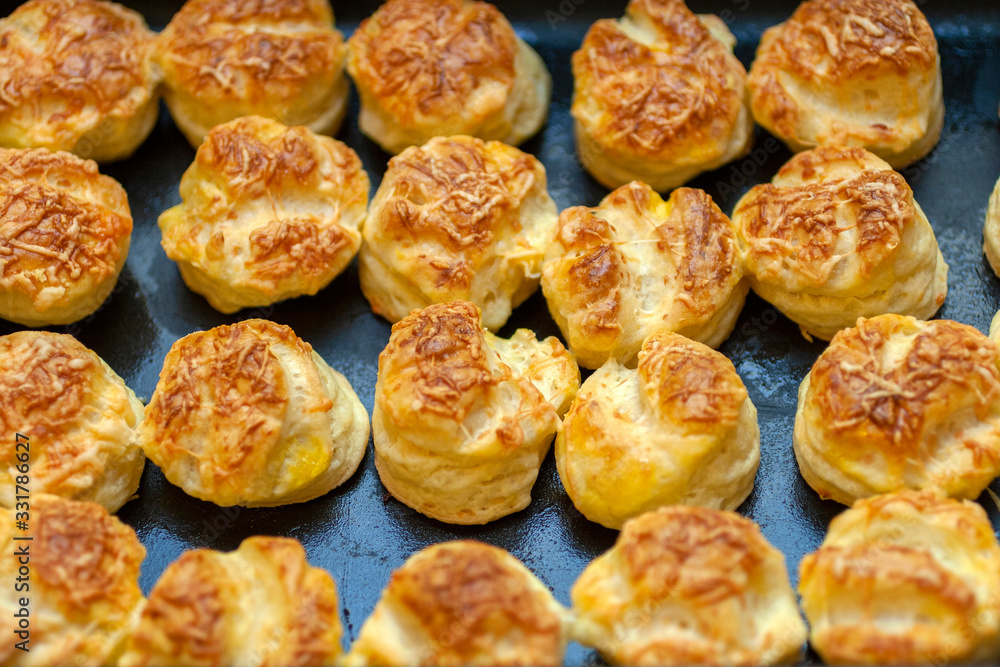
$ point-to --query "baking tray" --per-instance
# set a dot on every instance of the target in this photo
(360, 534)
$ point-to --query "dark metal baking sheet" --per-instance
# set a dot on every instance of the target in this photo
(358, 532)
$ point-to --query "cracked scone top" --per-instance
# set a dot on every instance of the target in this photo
(637, 264)
(689, 586)
(897, 403)
(836, 236)
(457, 218)
(65, 231)
(77, 76)
(906, 578)
(200, 610)
(463, 603)
(78, 414)
(281, 59)
(851, 73)
(462, 418)
(268, 212)
(250, 415)
(659, 96)
(427, 68)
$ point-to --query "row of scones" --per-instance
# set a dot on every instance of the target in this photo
(905, 578)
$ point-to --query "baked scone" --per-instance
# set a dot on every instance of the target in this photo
(836, 236)
(77, 413)
(262, 604)
(77, 76)
(851, 73)
(689, 586)
(995, 329)
(635, 265)
(897, 403)
(250, 414)
(65, 231)
(282, 59)
(463, 419)
(907, 578)
(679, 429)
(462, 603)
(268, 212)
(437, 68)
(458, 218)
(659, 97)
(991, 230)
(79, 571)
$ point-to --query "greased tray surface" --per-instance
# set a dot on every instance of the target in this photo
(360, 534)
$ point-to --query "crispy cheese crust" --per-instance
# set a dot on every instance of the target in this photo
(851, 73)
(898, 403)
(77, 76)
(462, 603)
(907, 578)
(268, 213)
(65, 231)
(463, 419)
(250, 415)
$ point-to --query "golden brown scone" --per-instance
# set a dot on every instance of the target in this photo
(282, 59)
(463, 603)
(991, 230)
(680, 429)
(907, 578)
(77, 76)
(268, 213)
(65, 231)
(463, 419)
(689, 586)
(250, 415)
(262, 604)
(636, 265)
(433, 68)
(995, 329)
(659, 96)
(80, 575)
(898, 403)
(836, 236)
(458, 218)
(851, 73)
(78, 415)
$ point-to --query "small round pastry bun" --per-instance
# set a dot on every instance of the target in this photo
(836, 236)
(204, 604)
(65, 231)
(897, 403)
(77, 417)
(268, 212)
(636, 264)
(995, 329)
(282, 59)
(463, 603)
(462, 418)
(851, 73)
(659, 97)
(991, 230)
(679, 429)
(906, 578)
(77, 76)
(250, 414)
(457, 218)
(437, 68)
(82, 569)
(689, 586)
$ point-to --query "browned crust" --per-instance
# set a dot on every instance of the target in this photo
(866, 400)
(430, 57)
(59, 218)
(682, 94)
(63, 57)
(468, 598)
